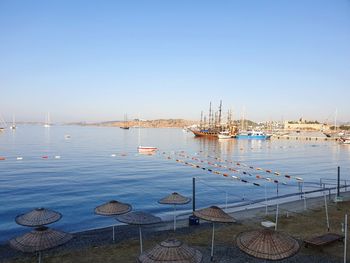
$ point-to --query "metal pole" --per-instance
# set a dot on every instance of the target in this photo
(346, 236)
(276, 222)
(338, 187)
(174, 218)
(113, 234)
(212, 244)
(194, 194)
(277, 189)
(39, 257)
(265, 201)
(304, 198)
(325, 204)
(226, 202)
(140, 238)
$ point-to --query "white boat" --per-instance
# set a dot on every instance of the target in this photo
(344, 140)
(13, 126)
(225, 135)
(47, 123)
(145, 149)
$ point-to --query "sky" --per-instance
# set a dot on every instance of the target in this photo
(98, 60)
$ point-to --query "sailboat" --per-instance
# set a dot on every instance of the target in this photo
(47, 121)
(125, 125)
(3, 124)
(145, 149)
(13, 126)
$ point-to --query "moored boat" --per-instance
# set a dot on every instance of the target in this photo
(257, 135)
(344, 140)
(146, 149)
(225, 135)
(205, 133)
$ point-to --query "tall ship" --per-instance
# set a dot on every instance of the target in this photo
(125, 125)
(212, 126)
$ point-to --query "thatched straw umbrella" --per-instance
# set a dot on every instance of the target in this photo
(139, 218)
(38, 217)
(171, 250)
(40, 239)
(175, 199)
(214, 214)
(112, 208)
(267, 244)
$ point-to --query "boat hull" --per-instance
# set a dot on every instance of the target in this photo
(253, 137)
(205, 134)
(145, 149)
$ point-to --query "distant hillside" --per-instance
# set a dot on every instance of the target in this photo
(159, 123)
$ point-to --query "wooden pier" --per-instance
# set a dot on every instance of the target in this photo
(305, 138)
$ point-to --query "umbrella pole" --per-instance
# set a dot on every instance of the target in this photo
(140, 231)
(212, 244)
(39, 260)
(113, 233)
(174, 218)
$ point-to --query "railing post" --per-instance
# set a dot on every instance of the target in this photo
(193, 194)
(338, 185)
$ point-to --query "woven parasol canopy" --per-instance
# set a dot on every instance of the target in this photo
(139, 218)
(267, 244)
(214, 214)
(175, 199)
(38, 217)
(113, 208)
(171, 250)
(40, 239)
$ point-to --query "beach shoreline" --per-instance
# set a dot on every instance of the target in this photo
(125, 234)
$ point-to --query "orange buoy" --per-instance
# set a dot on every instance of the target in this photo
(45, 157)
(2, 158)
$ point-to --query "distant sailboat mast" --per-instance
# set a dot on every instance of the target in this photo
(47, 121)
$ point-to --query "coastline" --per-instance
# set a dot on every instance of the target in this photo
(127, 236)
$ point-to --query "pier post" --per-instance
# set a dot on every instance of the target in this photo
(194, 194)
(338, 186)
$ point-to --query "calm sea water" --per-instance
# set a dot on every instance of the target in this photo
(98, 164)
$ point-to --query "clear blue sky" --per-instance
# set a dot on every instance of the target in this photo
(96, 60)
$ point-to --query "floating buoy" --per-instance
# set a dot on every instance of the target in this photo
(268, 171)
(244, 181)
(275, 181)
(258, 176)
(259, 169)
(2, 158)
(57, 157)
(113, 155)
(210, 170)
(19, 158)
(45, 157)
(276, 173)
(256, 184)
(226, 175)
(288, 176)
(299, 179)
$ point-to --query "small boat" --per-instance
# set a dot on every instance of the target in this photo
(258, 135)
(125, 125)
(344, 140)
(13, 126)
(47, 121)
(147, 149)
(225, 135)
